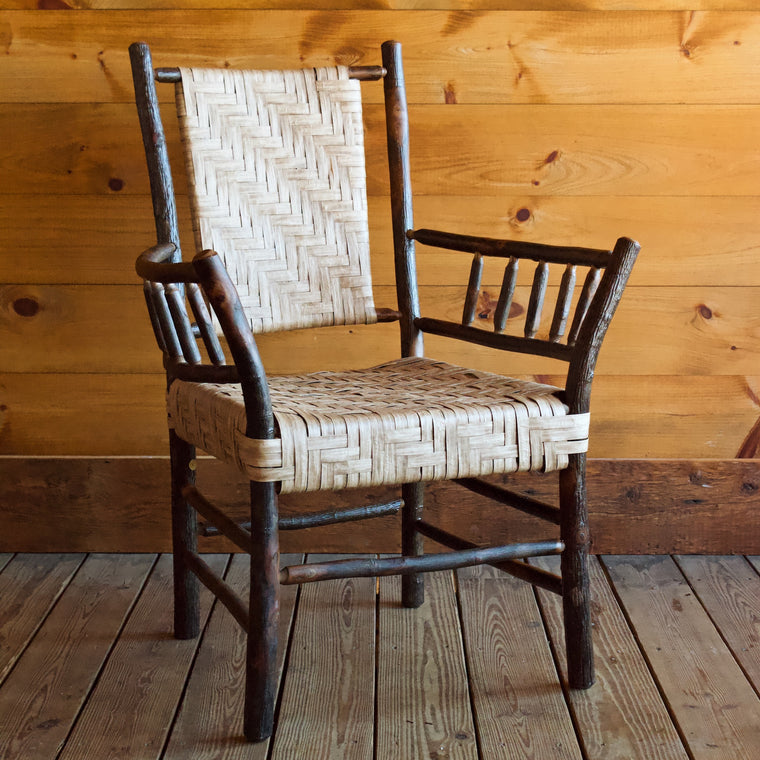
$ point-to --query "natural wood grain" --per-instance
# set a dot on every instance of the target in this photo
(653, 506)
(686, 241)
(519, 707)
(686, 416)
(492, 56)
(453, 5)
(423, 704)
(131, 709)
(4, 560)
(42, 697)
(656, 331)
(729, 589)
(531, 150)
(327, 702)
(210, 722)
(715, 707)
(622, 716)
(30, 585)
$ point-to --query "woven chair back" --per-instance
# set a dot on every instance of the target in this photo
(277, 184)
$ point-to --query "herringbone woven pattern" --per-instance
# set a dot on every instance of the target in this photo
(405, 421)
(275, 164)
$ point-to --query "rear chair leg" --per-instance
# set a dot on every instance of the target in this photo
(412, 586)
(263, 622)
(576, 595)
(184, 539)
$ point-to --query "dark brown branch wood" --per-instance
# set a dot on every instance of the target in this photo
(552, 254)
(515, 500)
(533, 575)
(494, 340)
(370, 568)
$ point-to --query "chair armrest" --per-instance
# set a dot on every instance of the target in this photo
(552, 254)
(155, 264)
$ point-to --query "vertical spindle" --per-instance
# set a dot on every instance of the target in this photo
(536, 304)
(473, 290)
(562, 309)
(506, 295)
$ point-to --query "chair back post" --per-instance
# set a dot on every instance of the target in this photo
(597, 320)
(154, 141)
(397, 126)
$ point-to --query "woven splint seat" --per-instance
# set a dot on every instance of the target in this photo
(406, 421)
(277, 190)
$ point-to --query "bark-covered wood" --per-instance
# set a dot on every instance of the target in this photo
(368, 568)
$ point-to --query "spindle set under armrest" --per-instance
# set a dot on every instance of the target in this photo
(571, 257)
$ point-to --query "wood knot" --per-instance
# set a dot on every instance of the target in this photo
(116, 184)
(26, 307)
(449, 94)
(705, 311)
(522, 215)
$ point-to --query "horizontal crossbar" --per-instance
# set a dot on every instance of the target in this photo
(470, 334)
(218, 587)
(370, 568)
(515, 500)
(533, 575)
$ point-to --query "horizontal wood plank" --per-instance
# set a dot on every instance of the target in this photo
(686, 241)
(715, 707)
(42, 697)
(622, 150)
(124, 415)
(622, 716)
(493, 55)
(656, 331)
(462, 6)
(656, 506)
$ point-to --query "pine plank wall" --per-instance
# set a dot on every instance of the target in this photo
(552, 121)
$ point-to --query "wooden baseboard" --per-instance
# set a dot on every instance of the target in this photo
(637, 506)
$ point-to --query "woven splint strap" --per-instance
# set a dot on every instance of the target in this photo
(275, 164)
(407, 421)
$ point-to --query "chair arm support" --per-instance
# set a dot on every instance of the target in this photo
(224, 300)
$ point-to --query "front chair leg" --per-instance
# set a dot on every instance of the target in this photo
(576, 594)
(412, 586)
(263, 623)
(184, 539)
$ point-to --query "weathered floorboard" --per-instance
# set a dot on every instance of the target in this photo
(330, 707)
(729, 589)
(131, 709)
(423, 703)
(716, 709)
(519, 707)
(210, 722)
(622, 716)
(328, 697)
(41, 698)
(30, 585)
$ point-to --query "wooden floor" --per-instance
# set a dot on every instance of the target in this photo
(89, 669)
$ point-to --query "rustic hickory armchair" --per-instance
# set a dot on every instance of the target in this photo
(275, 162)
